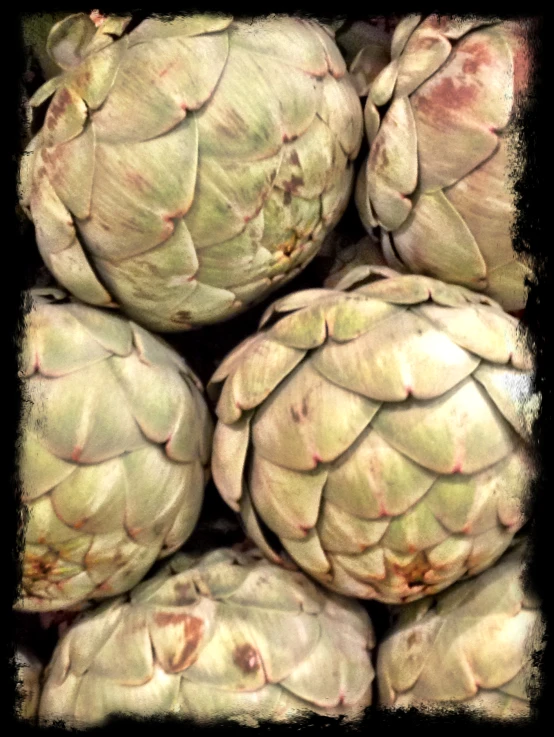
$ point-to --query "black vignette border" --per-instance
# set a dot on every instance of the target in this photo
(21, 266)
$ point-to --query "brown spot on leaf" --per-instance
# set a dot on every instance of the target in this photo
(293, 185)
(163, 619)
(298, 415)
(182, 316)
(478, 55)
(246, 658)
(194, 629)
(58, 107)
(287, 198)
(183, 593)
(293, 158)
(118, 558)
(443, 98)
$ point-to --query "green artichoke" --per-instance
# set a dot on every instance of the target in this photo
(115, 446)
(437, 179)
(378, 433)
(226, 635)
(188, 168)
(471, 645)
(29, 675)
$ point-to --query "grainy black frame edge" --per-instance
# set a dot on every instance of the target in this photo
(530, 235)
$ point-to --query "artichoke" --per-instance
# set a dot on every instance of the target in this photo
(29, 675)
(471, 645)
(225, 635)
(188, 168)
(437, 179)
(378, 433)
(115, 447)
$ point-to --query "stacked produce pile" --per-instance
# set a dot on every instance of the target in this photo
(338, 473)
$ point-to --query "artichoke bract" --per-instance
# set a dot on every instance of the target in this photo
(471, 645)
(226, 635)
(114, 457)
(29, 674)
(191, 166)
(438, 176)
(382, 433)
